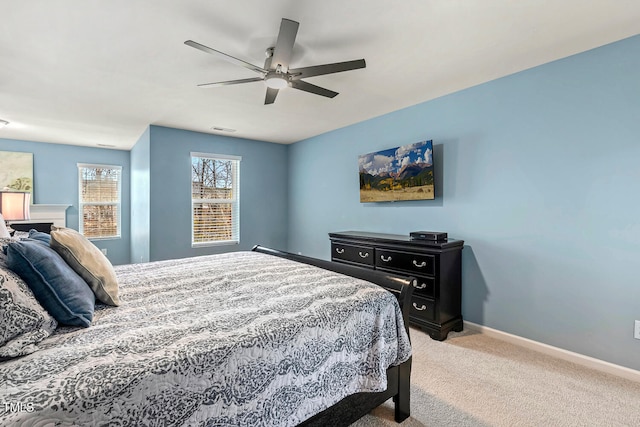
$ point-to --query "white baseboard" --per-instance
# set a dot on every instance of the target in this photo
(590, 362)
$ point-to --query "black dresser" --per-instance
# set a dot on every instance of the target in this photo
(44, 227)
(437, 266)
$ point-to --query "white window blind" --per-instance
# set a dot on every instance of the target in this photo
(215, 199)
(100, 200)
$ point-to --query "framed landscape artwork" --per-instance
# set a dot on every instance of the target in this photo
(16, 171)
(401, 173)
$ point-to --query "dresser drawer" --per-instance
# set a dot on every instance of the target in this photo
(356, 254)
(424, 287)
(410, 262)
(422, 309)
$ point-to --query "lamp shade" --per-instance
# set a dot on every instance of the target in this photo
(14, 205)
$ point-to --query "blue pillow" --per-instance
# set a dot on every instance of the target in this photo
(40, 236)
(59, 289)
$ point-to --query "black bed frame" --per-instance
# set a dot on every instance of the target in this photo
(353, 407)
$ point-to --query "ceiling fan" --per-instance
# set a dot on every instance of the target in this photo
(276, 72)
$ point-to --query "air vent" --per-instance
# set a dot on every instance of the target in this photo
(106, 145)
(221, 129)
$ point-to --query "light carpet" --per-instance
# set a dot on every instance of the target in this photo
(475, 380)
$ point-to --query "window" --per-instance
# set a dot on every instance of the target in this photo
(100, 200)
(215, 199)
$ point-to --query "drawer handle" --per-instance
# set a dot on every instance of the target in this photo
(422, 264)
(340, 250)
(421, 308)
(421, 286)
(365, 255)
(385, 260)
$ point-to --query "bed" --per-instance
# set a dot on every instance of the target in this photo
(251, 338)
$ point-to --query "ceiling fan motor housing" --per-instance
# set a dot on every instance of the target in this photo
(276, 79)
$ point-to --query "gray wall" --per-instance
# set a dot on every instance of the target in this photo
(263, 191)
(55, 176)
(537, 172)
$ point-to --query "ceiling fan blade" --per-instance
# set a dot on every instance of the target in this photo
(284, 44)
(270, 98)
(231, 82)
(318, 70)
(225, 56)
(308, 87)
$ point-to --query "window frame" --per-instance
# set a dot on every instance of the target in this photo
(82, 204)
(234, 201)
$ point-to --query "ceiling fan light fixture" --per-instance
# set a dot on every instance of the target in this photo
(276, 80)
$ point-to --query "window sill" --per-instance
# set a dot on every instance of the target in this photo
(104, 238)
(218, 243)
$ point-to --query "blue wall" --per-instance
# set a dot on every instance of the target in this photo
(538, 172)
(141, 198)
(55, 176)
(156, 190)
(263, 191)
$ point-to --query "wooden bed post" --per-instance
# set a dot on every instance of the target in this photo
(402, 400)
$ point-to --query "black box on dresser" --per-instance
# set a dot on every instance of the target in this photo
(436, 264)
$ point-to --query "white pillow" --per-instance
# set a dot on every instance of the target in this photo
(3, 228)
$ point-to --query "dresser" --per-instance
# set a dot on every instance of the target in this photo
(44, 227)
(436, 265)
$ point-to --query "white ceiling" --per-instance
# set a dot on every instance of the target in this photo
(99, 72)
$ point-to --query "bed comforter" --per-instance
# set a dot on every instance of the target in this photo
(240, 339)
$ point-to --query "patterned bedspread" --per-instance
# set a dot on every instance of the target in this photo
(241, 339)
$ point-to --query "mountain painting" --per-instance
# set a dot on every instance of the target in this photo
(401, 173)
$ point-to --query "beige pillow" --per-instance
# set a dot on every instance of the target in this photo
(88, 261)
